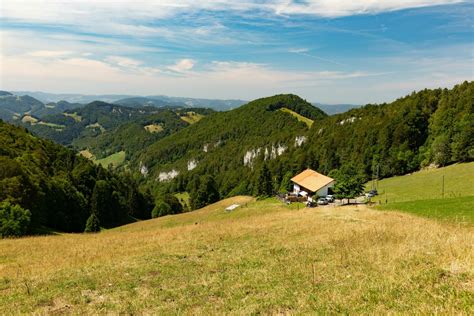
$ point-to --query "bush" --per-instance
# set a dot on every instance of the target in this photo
(92, 224)
(161, 209)
(14, 220)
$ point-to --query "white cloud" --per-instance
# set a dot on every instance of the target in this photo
(298, 50)
(123, 61)
(183, 65)
(119, 15)
(225, 79)
(338, 8)
(50, 53)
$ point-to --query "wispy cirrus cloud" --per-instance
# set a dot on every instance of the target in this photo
(50, 53)
(298, 50)
(235, 49)
(65, 11)
(182, 66)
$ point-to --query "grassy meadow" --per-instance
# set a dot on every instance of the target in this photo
(263, 257)
(299, 117)
(420, 193)
(427, 184)
(458, 210)
(115, 159)
(191, 117)
(184, 199)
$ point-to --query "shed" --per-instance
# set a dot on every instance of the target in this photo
(312, 183)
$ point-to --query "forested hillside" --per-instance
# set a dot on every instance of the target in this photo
(227, 147)
(256, 148)
(15, 107)
(46, 186)
(104, 129)
(162, 100)
(239, 151)
(431, 126)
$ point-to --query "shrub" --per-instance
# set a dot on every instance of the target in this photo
(92, 224)
(14, 220)
(161, 209)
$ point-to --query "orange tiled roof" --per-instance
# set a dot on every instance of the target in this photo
(311, 180)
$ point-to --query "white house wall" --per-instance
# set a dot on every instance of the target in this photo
(296, 188)
(324, 190)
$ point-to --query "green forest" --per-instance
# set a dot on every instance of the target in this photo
(254, 150)
(423, 128)
(45, 186)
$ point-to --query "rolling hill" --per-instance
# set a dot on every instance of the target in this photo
(59, 189)
(104, 129)
(287, 135)
(170, 149)
(426, 127)
(262, 258)
(332, 109)
(443, 193)
(15, 107)
(161, 101)
(135, 101)
(230, 145)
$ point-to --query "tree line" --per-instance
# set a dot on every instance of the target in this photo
(47, 186)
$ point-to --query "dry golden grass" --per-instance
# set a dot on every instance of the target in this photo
(76, 117)
(87, 154)
(29, 119)
(261, 258)
(191, 117)
(154, 128)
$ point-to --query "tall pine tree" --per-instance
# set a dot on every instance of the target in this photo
(264, 186)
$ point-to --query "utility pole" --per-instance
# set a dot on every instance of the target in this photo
(442, 188)
(377, 181)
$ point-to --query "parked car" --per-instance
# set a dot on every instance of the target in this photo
(323, 201)
(373, 192)
(311, 204)
(330, 198)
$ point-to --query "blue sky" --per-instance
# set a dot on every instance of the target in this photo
(331, 51)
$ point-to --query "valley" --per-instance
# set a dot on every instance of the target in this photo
(226, 157)
(205, 155)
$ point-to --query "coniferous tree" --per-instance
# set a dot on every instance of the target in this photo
(285, 185)
(264, 187)
(207, 193)
(92, 224)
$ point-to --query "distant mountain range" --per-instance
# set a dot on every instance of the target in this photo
(135, 101)
(335, 108)
(162, 100)
(179, 149)
(15, 107)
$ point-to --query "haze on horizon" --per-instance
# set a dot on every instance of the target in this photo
(326, 51)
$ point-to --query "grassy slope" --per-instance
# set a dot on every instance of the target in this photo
(262, 258)
(421, 193)
(299, 117)
(427, 184)
(459, 210)
(184, 197)
(154, 128)
(115, 159)
(191, 117)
